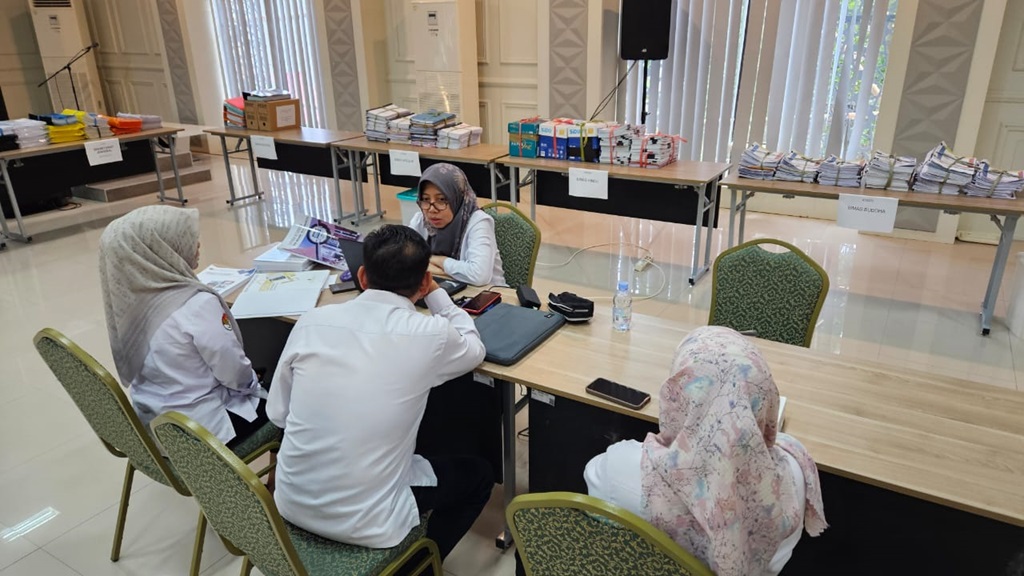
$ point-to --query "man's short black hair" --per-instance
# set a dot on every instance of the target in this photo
(396, 258)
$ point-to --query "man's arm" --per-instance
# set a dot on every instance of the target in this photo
(463, 350)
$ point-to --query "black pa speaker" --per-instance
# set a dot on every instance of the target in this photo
(644, 29)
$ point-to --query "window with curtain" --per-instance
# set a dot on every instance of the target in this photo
(271, 44)
(803, 75)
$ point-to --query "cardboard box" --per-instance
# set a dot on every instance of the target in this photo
(561, 140)
(591, 141)
(275, 115)
(573, 143)
(546, 140)
(522, 137)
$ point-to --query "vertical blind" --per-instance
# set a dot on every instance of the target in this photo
(271, 44)
(804, 75)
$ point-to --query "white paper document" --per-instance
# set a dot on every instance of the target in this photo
(104, 151)
(586, 183)
(867, 213)
(280, 294)
(405, 163)
(224, 280)
(263, 147)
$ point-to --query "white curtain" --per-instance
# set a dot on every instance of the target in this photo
(812, 75)
(795, 74)
(271, 44)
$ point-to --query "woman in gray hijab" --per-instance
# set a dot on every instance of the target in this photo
(176, 345)
(461, 236)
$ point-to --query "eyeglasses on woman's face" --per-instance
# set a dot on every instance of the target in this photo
(437, 205)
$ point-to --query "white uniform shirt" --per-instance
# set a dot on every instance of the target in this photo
(350, 391)
(479, 263)
(196, 366)
(615, 476)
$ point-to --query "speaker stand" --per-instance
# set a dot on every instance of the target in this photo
(643, 100)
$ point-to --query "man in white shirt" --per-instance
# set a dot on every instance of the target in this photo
(350, 390)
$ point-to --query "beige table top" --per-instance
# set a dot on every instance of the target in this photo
(479, 154)
(303, 136)
(956, 203)
(80, 144)
(957, 443)
(684, 172)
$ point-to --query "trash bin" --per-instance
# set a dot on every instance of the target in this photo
(1015, 315)
(407, 202)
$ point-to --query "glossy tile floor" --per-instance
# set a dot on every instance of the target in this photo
(893, 301)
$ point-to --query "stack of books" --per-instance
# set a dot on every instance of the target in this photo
(149, 121)
(28, 133)
(119, 125)
(889, 172)
(378, 120)
(943, 172)
(652, 151)
(96, 126)
(796, 167)
(617, 143)
(278, 260)
(399, 130)
(424, 126)
(836, 172)
(62, 127)
(459, 136)
(991, 183)
(8, 141)
(759, 163)
(234, 112)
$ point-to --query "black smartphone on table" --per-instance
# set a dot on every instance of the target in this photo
(618, 393)
(339, 287)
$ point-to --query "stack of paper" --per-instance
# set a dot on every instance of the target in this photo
(234, 112)
(759, 163)
(398, 130)
(278, 260)
(96, 126)
(119, 125)
(424, 127)
(796, 167)
(992, 183)
(378, 119)
(836, 172)
(149, 121)
(224, 280)
(889, 172)
(29, 133)
(652, 151)
(319, 241)
(280, 294)
(617, 143)
(267, 95)
(943, 172)
(459, 136)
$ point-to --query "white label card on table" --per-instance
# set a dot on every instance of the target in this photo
(405, 163)
(867, 213)
(263, 147)
(103, 151)
(586, 183)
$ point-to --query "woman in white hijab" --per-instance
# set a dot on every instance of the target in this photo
(175, 344)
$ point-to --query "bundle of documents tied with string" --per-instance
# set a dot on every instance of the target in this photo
(836, 172)
(378, 121)
(991, 183)
(944, 172)
(424, 127)
(796, 167)
(889, 172)
(759, 163)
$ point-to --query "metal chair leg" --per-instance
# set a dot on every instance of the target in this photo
(197, 549)
(122, 512)
(246, 566)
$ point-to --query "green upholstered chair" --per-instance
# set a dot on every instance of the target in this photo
(243, 513)
(559, 533)
(518, 240)
(100, 399)
(775, 295)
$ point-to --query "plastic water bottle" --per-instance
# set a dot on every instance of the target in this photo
(622, 308)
